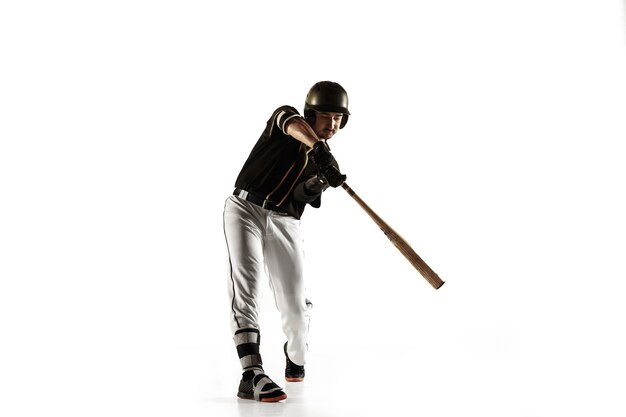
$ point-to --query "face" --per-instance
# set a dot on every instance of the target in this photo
(326, 124)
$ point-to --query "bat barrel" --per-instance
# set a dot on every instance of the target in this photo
(400, 244)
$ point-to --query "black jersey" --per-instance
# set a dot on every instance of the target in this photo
(277, 166)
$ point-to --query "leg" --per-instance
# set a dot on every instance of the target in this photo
(254, 384)
(284, 258)
(243, 230)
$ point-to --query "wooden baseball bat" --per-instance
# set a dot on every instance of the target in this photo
(401, 244)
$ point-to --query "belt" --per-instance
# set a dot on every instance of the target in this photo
(257, 199)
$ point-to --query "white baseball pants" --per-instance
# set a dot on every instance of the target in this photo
(261, 243)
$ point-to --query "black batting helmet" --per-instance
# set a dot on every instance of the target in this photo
(327, 96)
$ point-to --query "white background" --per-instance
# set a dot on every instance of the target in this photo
(487, 133)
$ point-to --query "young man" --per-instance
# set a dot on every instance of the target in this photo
(289, 167)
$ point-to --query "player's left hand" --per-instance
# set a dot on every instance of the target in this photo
(322, 157)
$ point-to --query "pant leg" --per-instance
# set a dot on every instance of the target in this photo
(284, 257)
(243, 230)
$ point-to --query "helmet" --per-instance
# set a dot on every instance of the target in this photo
(327, 96)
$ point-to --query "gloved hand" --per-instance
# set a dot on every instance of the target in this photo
(322, 157)
(316, 184)
(333, 176)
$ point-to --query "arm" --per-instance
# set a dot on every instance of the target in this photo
(300, 130)
(310, 190)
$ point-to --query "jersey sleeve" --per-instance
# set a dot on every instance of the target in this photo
(282, 115)
(300, 193)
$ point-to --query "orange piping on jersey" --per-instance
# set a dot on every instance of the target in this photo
(273, 123)
(306, 160)
(267, 197)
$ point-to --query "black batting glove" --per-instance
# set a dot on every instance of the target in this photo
(321, 155)
(333, 176)
(316, 184)
(323, 159)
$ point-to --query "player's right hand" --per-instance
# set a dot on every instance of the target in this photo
(316, 184)
(333, 176)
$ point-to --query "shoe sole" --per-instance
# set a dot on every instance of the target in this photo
(294, 379)
(263, 400)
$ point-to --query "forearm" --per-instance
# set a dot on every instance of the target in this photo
(310, 189)
(300, 193)
(300, 130)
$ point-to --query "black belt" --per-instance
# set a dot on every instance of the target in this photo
(257, 199)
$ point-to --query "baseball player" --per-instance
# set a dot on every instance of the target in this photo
(289, 167)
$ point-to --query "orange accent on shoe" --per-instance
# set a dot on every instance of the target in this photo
(274, 399)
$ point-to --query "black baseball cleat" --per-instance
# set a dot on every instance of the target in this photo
(255, 385)
(293, 372)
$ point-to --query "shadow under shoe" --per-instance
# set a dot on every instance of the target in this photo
(293, 372)
(255, 385)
